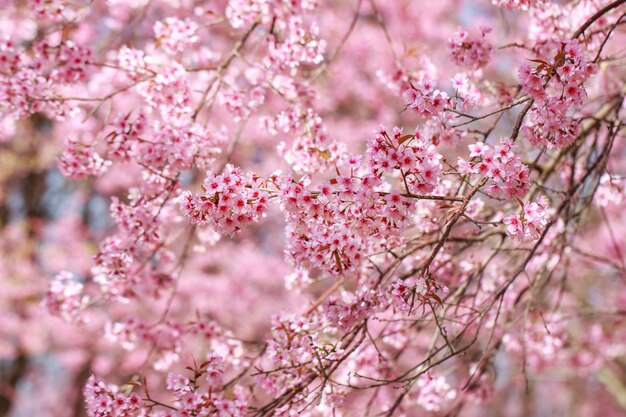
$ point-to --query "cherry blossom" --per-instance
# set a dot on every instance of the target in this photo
(304, 208)
(469, 52)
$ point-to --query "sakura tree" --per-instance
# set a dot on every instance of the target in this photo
(315, 208)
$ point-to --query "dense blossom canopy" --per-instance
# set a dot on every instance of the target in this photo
(312, 208)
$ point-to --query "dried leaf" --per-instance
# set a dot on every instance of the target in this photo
(437, 299)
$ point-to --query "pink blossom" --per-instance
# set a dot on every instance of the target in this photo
(470, 52)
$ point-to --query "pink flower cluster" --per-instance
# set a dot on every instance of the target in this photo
(551, 125)
(104, 400)
(165, 338)
(556, 85)
(79, 161)
(519, 4)
(50, 10)
(351, 308)
(293, 339)
(65, 296)
(168, 338)
(230, 201)
(417, 161)
(311, 149)
(170, 147)
(169, 93)
(425, 100)
(30, 79)
(301, 46)
(331, 226)
(215, 367)
(242, 103)
(467, 92)
(395, 270)
(175, 35)
(508, 176)
(192, 397)
(10, 57)
(112, 268)
(136, 220)
(470, 52)
(68, 61)
(133, 62)
(433, 393)
(125, 133)
(334, 224)
(245, 12)
(530, 223)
